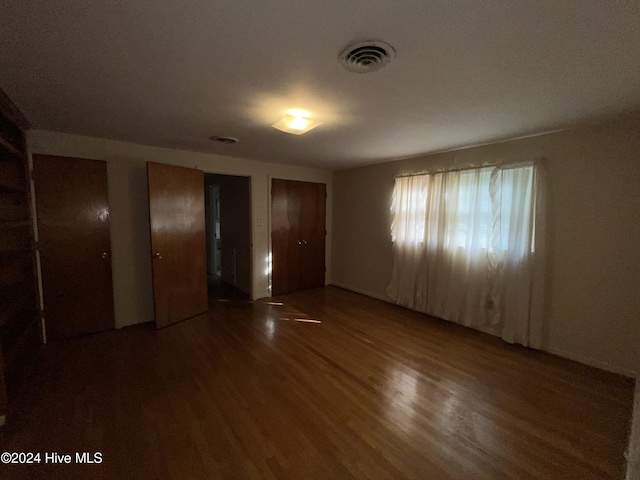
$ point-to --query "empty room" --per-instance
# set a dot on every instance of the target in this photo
(320, 240)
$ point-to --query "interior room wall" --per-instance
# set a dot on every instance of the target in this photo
(129, 213)
(594, 279)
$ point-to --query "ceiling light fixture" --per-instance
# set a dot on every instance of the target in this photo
(296, 122)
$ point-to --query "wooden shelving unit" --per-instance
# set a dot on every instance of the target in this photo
(19, 302)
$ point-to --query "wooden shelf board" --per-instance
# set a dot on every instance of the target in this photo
(6, 144)
(23, 304)
(13, 188)
(26, 340)
(14, 224)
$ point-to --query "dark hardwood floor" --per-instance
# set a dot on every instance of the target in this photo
(373, 391)
(219, 290)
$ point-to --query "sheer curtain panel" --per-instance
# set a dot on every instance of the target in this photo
(468, 247)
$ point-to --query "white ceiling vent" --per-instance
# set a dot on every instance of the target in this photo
(366, 57)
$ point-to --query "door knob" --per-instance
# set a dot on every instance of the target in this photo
(104, 255)
(304, 242)
(157, 255)
(299, 242)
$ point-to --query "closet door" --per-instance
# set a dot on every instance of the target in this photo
(285, 236)
(312, 234)
(178, 242)
(75, 246)
(297, 235)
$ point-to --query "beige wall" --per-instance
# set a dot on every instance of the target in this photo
(594, 304)
(126, 169)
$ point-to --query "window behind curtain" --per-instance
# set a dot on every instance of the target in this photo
(470, 216)
(463, 247)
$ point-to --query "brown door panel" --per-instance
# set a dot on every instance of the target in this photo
(285, 235)
(312, 234)
(297, 235)
(178, 242)
(75, 248)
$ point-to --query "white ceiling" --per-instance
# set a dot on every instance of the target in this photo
(173, 73)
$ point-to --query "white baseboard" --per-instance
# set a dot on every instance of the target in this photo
(587, 360)
(384, 298)
(259, 295)
(555, 351)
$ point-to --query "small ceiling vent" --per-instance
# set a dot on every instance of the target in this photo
(366, 57)
(225, 140)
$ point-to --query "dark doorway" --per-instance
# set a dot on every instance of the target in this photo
(228, 232)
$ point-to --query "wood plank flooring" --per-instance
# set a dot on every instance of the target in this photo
(372, 392)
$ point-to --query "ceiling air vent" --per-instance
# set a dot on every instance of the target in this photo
(225, 140)
(366, 57)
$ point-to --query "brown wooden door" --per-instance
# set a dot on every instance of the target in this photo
(75, 249)
(297, 235)
(312, 234)
(285, 236)
(178, 242)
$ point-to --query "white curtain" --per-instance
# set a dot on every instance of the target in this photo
(469, 247)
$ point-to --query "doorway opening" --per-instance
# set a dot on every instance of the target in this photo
(228, 234)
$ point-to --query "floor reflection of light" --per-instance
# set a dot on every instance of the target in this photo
(450, 414)
(306, 320)
(459, 413)
(303, 320)
(402, 390)
(270, 325)
(268, 261)
(267, 271)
